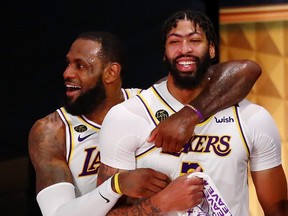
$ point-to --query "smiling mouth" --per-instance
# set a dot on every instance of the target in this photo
(186, 65)
(72, 87)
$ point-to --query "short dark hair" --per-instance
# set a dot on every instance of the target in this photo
(112, 48)
(198, 18)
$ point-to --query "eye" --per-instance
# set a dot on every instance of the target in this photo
(173, 41)
(79, 66)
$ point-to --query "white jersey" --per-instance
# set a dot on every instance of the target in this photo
(82, 147)
(222, 145)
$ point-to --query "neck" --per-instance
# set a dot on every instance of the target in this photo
(111, 100)
(184, 96)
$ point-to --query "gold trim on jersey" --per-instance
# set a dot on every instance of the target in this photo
(239, 127)
(150, 109)
(148, 151)
(68, 120)
(128, 93)
(71, 132)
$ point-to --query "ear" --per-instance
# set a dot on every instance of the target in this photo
(111, 72)
(212, 51)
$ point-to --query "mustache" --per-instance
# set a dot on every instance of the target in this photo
(195, 58)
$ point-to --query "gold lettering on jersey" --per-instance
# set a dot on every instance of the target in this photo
(91, 163)
(220, 145)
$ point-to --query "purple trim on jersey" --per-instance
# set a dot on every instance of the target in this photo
(89, 123)
(70, 134)
(126, 94)
(163, 99)
(151, 148)
(236, 107)
(155, 123)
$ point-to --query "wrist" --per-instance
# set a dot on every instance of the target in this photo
(196, 111)
(116, 185)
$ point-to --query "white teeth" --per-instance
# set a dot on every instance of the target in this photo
(185, 62)
(71, 86)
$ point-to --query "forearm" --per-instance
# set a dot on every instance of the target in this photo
(278, 209)
(145, 207)
(229, 83)
(59, 199)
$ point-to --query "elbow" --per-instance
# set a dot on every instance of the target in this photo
(253, 70)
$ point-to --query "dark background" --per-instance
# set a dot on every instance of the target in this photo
(36, 35)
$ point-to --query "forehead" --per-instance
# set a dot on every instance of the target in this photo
(85, 48)
(185, 28)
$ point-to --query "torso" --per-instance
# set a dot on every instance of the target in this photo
(82, 147)
(222, 145)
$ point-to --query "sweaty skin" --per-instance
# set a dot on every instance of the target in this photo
(229, 82)
(189, 46)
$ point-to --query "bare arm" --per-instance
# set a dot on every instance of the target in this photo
(179, 195)
(142, 182)
(271, 189)
(230, 82)
(54, 184)
(47, 152)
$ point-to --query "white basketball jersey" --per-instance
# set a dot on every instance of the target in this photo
(218, 147)
(82, 147)
(221, 145)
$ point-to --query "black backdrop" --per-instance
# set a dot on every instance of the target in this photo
(36, 35)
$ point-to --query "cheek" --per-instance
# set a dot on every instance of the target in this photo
(171, 52)
(90, 81)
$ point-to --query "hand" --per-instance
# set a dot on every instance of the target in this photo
(174, 132)
(181, 194)
(142, 182)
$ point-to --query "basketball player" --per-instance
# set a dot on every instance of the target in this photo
(222, 145)
(63, 146)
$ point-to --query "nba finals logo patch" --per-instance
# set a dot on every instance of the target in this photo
(161, 115)
(80, 128)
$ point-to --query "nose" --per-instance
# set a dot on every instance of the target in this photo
(185, 47)
(69, 72)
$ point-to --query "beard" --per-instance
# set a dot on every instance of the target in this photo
(87, 102)
(186, 80)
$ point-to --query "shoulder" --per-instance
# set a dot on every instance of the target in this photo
(249, 109)
(47, 132)
(51, 121)
(257, 119)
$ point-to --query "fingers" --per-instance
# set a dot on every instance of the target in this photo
(158, 175)
(153, 135)
(198, 169)
(143, 182)
(183, 193)
(168, 143)
(170, 135)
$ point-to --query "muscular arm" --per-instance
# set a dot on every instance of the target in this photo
(47, 152)
(54, 184)
(229, 83)
(271, 189)
(181, 194)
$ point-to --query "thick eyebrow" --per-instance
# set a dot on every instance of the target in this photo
(182, 36)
